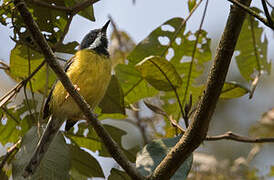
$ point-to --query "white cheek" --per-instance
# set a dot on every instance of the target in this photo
(96, 43)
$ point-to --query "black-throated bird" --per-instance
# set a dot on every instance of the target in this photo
(90, 72)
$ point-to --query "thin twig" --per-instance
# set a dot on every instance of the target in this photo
(27, 102)
(4, 65)
(269, 4)
(252, 13)
(140, 125)
(180, 27)
(40, 118)
(235, 137)
(194, 52)
(169, 45)
(9, 153)
(10, 115)
(174, 89)
(66, 29)
(266, 12)
(110, 144)
(229, 136)
(18, 86)
(256, 80)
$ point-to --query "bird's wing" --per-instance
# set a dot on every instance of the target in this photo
(46, 110)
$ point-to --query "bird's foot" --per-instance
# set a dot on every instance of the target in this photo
(76, 87)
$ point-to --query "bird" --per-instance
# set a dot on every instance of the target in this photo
(90, 72)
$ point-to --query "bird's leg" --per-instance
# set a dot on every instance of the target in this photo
(76, 87)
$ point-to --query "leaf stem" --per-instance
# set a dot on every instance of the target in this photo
(193, 53)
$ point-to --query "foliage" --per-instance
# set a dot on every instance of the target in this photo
(252, 59)
(153, 153)
(165, 67)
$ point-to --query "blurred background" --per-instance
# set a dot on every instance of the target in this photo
(138, 19)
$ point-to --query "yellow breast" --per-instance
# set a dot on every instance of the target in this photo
(90, 73)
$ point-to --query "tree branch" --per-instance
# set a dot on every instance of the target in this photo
(9, 153)
(110, 144)
(196, 132)
(252, 13)
(228, 135)
(266, 12)
(66, 29)
(232, 136)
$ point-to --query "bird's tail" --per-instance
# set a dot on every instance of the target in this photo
(50, 132)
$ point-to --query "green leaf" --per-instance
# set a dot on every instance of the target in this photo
(68, 48)
(86, 13)
(113, 101)
(84, 163)
(252, 58)
(50, 21)
(55, 164)
(152, 45)
(233, 90)
(131, 81)
(86, 137)
(153, 153)
(116, 174)
(23, 61)
(160, 73)
(189, 69)
(133, 85)
(9, 131)
(191, 4)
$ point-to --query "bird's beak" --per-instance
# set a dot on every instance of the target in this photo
(104, 28)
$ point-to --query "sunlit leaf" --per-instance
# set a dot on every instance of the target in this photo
(252, 58)
(153, 153)
(191, 4)
(189, 69)
(160, 73)
(133, 85)
(23, 61)
(233, 90)
(15, 122)
(55, 164)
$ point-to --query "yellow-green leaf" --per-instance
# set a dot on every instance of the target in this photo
(160, 73)
(252, 58)
(233, 90)
(191, 4)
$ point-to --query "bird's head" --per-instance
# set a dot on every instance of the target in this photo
(96, 40)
